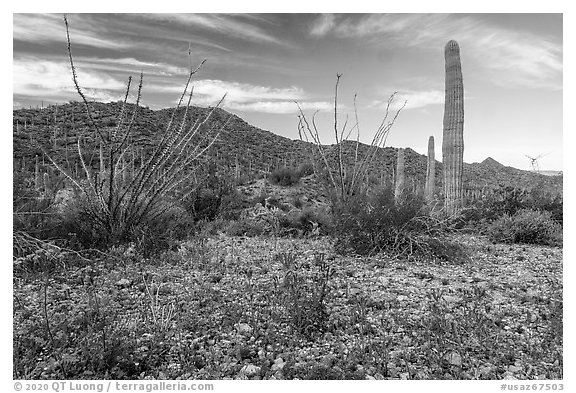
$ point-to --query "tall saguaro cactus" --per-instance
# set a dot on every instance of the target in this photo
(400, 176)
(37, 176)
(430, 172)
(453, 134)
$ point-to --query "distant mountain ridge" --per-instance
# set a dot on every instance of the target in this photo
(240, 146)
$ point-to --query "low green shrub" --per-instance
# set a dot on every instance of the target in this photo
(284, 176)
(507, 200)
(305, 169)
(526, 226)
(305, 222)
(245, 227)
(304, 291)
(379, 224)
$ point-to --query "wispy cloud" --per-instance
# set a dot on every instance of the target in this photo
(130, 65)
(322, 25)
(512, 57)
(413, 99)
(278, 107)
(39, 28)
(247, 97)
(51, 79)
(40, 79)
(226, 24)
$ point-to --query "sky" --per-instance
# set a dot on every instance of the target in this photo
(512, 67)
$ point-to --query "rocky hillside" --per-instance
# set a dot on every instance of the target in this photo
(240, 148)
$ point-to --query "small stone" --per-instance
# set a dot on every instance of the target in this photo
(514, 369)
(484, 285)
(370, 377)
(250, 370)
(451, 299)
(328, 360)
(243, 328)
(123, 283)
(454, 359)
(508, 375)
(485, 370)
(278, 365)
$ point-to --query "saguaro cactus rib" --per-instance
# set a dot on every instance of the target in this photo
(453, 133)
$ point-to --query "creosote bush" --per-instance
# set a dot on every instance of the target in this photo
(285, 176)
(369, 225)
(306, 169)
(308, 221)
(526, 226)
(507, 201)
(304, 291)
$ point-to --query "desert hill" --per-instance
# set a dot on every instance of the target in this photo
(240, 147)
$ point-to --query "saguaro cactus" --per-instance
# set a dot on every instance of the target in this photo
(453, 134)
(37, 179)
(400, 176)
(47, 183)
(430, 172)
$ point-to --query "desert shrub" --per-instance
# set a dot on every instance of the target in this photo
(526, 226)
(379, 224)
(211, 199)
(304, 291)
(305, 222)
(284, 176)
(245, 227)
(507, 200)
(163, 233)
(297, 202)
(205, 205)
(539, 200)
(305, 169)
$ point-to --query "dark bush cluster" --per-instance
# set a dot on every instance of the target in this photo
(306, 169)
(526, 226)
(305, 222)
(507, 200)
(404, 229)
(285, 176)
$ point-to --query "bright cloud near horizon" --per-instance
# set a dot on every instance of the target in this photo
(266, 63)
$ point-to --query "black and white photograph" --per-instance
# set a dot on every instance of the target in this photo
(201, 197)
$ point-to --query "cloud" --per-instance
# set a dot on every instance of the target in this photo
(414, 99)
(225, 24)
(323, 24)
(41, 28)
(41, 78)
(247, 97)
(130, 65)
(510, 57)
(278, 107)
